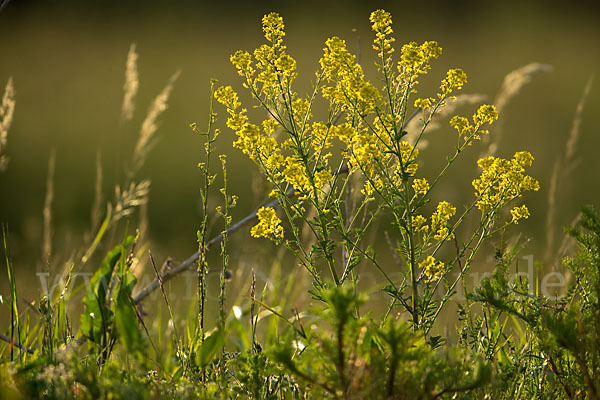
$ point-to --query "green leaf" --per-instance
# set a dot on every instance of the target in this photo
(177, 373)
(208, 349)
(97, 317)
(277, 314)
(126, 321)
(14, 309)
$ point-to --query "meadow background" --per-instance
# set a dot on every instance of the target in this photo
(67, 61)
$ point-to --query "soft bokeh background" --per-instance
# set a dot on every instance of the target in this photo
(67, 59)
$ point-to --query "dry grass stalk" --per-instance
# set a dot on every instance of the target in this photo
(568, 242)
(139, 264)
(515, 80)
(511, 86)
(144, 221)
(562, 168)
(571, 145)
(7, 109)
(149, 126)
(3, 3)
(97, 207)
(131, 85)
(47, 229)
(551, 213)
(127, 200)
(567, 245)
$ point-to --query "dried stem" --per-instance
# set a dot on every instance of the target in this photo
(7, 109)
(47, 232)
(149, 127)
(562, 168)
(131, 85)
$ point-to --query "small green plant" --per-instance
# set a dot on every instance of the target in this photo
(563, 333)
(110, 312)
(358, 358)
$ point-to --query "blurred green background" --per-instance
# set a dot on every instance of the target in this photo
(67, 59)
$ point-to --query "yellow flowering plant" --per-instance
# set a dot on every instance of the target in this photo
(310, 163)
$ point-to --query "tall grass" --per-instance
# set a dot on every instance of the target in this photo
(47, 213)
(149, 126)
(131, 85)
(563, 167)
(7, 109)
(15, 325)
(511, 86)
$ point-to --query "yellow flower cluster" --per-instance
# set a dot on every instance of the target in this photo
(250, 140)
(273, 64)
(409, 155)
(269, 225)
(454, 80)
(381, 21)
(321, 137)
(368, 155)
(486, 114)
(504, 180)
(295, 173)
(273, 28)
(432, 268)
(242, 61)
(420, 186)
(301, 113)
(266, 57)
(349, 89)
(345, 132)
(425, 103)
(518, 213)
(419, 224)
(415, 58)
(439, 221)
(228, 97)
(321, 178)
(269, 72)
(364, 154)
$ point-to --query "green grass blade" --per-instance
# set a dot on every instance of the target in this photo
(14, 309)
